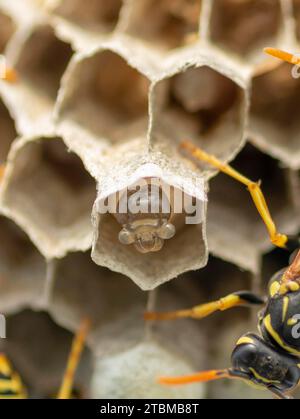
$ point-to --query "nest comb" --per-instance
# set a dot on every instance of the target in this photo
(105, 92)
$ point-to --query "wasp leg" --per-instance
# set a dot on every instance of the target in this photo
(10, 75)
(2, 170)
(237, 299)
(73, 361)
(276, 238)
(283, 55)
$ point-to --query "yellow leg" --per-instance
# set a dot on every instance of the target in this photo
(73, 361)
(10, 76)
(205, 310)
(276, 238)
(282, 55)
(2, 170)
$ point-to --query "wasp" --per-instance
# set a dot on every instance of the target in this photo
(12, 387)
(270, 359)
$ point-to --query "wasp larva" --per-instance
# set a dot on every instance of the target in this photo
(145, 213)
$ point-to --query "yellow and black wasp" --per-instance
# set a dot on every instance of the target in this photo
(12, 387)
(270, 359)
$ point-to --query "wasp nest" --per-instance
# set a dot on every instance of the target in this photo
(105, 93)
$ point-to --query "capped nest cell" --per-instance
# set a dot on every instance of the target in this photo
(98, 15)
(166, 24)
(244, 27)
(108, 98)
(244, 243)
(22, 270)
(49, 193)
(133, 373)
(7, 28)
(202, 105)
(7, 132)
(274, 123)
(38, 350)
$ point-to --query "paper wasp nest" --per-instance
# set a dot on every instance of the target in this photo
(105, 92)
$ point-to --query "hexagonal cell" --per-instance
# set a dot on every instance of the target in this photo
(150, 245)
(7, 132)
(244, 243)
(133, 374)
(274, 123)
(167, 24)
(38, 350)
(186, 291)
(7, 28)
(22, 269)
(109, 99)
(204, 106)
(50, 195)
(245, 27)
(114, 305)
(42, 61)
(99, 15)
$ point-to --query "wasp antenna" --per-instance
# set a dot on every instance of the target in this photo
(283, 55)
(199, 377)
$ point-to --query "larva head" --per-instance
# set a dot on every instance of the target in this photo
(146, 219)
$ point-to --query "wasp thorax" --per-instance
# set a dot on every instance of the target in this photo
(145, 213)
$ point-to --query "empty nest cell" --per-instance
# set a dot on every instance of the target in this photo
(204, 106)
(183, 293)
(51, 195)
(110, 98)
(113, 303)
(245, 26)
(98, 15)
(7, 132)
(7, 28)
(22, 269)
(38, 350)
(242, 244)
(43, 60)
(274, 123)
(166, 24)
